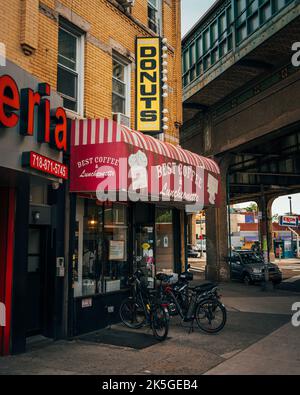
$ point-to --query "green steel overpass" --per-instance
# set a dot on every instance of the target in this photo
(241, 101)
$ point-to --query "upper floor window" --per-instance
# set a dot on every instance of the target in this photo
(70, 67)
(154, 15)
(121, 87)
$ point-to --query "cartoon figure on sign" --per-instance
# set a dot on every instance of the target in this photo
(212, 188)
(138, 170)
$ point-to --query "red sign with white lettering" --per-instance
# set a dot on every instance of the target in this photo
(45, 165)
(288, 220)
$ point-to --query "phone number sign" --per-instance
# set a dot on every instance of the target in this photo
(288, 220)
(45, 165)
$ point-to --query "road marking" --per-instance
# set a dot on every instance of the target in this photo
(292, 279)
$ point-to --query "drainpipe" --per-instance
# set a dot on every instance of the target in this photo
(229, 220)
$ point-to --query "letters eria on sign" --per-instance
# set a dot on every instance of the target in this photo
(2, 315)
(25, 102)
(296, 315)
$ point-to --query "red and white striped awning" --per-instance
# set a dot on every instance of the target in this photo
(93, 139)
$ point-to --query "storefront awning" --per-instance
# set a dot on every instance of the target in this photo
(108, 157)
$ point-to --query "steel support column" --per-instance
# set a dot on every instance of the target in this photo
(218, 268)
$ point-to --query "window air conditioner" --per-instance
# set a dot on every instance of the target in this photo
(126, 3)
(121, 119)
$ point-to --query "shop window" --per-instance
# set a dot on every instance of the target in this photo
(116, 269)
(154, 15)
(164, 240)
(121, 87)
(101, 248)
(70, 67)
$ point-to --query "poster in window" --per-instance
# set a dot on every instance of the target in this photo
(116, 250)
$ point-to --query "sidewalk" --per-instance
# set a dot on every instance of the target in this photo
(276, 354)
(258, 336)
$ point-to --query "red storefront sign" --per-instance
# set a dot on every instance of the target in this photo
(289, 220)
(25, 101)
(107, 157)
(45, 165)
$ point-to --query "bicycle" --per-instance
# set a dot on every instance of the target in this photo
(145, 307)
(201, 303)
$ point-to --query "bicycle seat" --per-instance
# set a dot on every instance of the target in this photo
(163, 277)
(208, 286)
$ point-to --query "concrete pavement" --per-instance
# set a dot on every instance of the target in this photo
(276, 354)
(255, 319)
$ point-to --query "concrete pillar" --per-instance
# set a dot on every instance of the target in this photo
(192, 229)
(218, 268)
(270, 229)
(266, 227)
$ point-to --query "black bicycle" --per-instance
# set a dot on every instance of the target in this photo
(145, 307)
(201, 303)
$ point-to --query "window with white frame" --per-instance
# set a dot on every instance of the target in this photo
(70, 66)
(154, 15)
(121, 86)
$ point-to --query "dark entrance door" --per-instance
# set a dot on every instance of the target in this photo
(38, 281)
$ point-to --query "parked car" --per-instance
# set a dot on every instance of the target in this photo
(249, 267)
(192, 252)
(201, 245)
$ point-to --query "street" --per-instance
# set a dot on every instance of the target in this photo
(290, 271)
(258, 339)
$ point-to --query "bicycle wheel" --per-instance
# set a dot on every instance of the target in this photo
(211, 316)
(132, 314)
(159, 322)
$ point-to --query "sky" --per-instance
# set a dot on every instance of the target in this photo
(282, 205)
(191, 12)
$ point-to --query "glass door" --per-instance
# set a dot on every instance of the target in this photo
(145, 245)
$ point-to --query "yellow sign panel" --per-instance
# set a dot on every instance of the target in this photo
(148, 85)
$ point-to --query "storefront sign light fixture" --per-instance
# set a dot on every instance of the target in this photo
(92, 222)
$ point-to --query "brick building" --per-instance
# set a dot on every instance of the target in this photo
(81, 56)
(101, 30)
(68, 108)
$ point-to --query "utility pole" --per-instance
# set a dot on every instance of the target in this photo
(264, 240)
